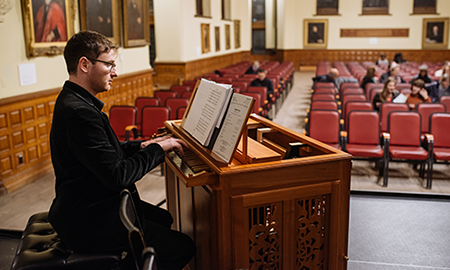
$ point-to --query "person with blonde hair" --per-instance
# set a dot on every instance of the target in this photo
(388, 94)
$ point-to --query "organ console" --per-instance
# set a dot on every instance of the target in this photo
(266, 209)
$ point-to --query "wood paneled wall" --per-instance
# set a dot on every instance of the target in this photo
(25, 123)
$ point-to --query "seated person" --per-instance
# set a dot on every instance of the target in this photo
(382, 61)
(423, 75)
(253, 69)
(330, 77)
(398, 58)
(445, 69)
(394, 71)
(388, 94)
(418, 94)
(369, 78)
(263, 81)
(438, 89)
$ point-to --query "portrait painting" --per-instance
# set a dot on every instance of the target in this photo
(315, 33)
(435, 33)
(101, 16)
(217, 37)
(136, 26)
(227, 37)
(237, 34)
(206, 44)
(48, 24)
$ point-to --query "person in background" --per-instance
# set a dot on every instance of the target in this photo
(382, 61)
(369, 78)
(445, 69)
(394, 71)
(253, 69)
(330, 77)
(388, 94)
(398, 58)
(263, 81)
(92, 166)
(423, 75)
(438, 89)
(418, 94)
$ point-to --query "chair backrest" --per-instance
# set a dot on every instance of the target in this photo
(350, 91)
(373, 92)
(242, 86)
(351, 97)
(191, 84)
(180, 112)
(121, 116)
(153, 118)
(323, 97)
(259, 89)
(363, 127)
(163, 95)
(346, 85)
(253, 76)
(180, 89)
(141, 102)
(186, 94)
(245, 79)
(404, 128)
(355, 105)
(324, 90)
(324, 126)
(388, 107)
(370, 86)
(440, 129)
(130, 219)
(426, 109)
(226, 80)
(257, 107)
(233, 76)
(174, 104)
(401, 86)
(445, 100)
(211, 76)
(324, 105)
(325, 84)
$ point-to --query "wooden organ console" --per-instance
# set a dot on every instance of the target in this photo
(262, 211)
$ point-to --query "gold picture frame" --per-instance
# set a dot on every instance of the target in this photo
(102, 16)
(237, 34)
(39, 40)
(206, 41)
(435, 33)
(217, 37)
(136, 28)
(315, 33)
(227, 37)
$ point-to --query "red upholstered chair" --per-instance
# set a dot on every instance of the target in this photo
(370, 86)
(224, 80)
(180, 112)
(258, 107)
(267, 103)
(247, 80)
(401, 86)
(180, 89)
(373, 93)
(324, 105)
(324, 126)
(323, 97)
(174, 104)
(355, 105)
(187, 94)
(253, 76)
(140, 103)
(153, 117)
(445, 100)
(233, 76)
(211, 76)
(403, 142)
(163, 95)
(324, 90)
(426, 109)
(351, 97)
(123, 121)
(386, 108)
(242, 86)
(346, 85)
(325, 84)
(362, 140)
(351, 91)
(440, 129)
(191, 84)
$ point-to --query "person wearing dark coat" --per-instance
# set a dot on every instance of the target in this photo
(394, 72)
(440, 88)
(422, 75)
(92, 166)
(263, 81)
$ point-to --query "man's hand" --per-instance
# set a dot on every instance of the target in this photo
(167, 143)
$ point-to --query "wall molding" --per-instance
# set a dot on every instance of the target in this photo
(375, 32)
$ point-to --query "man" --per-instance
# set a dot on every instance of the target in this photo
(263, 81)
(394, 71)
(440, 88)
(423, 75)
(92, 167)
(50, 23)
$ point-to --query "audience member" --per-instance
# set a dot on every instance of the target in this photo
(388, 94)
(330, 77)
(445, 69)
(398, 58)
(418, 94)
(394, 71)
(382, 61)
(440, 88)
(253, 69)
(369, 78)
(263, 81)
(423, 75)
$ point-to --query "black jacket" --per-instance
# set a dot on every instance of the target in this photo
(91, 168)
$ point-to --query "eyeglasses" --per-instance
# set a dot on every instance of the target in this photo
(111, 65)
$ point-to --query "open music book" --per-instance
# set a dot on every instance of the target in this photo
(216, 116)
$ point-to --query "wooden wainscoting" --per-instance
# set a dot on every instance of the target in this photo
(25, 123)
(312, 57)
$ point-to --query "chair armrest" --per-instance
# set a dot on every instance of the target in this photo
(386, 136)
(344, 140)
(128, 130)
(429, 137)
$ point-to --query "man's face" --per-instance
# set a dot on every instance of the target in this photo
(395, 71)
(444, 84)
(261, 76)
(101, 75)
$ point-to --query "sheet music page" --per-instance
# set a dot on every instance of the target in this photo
(234, 121)
(205, 110)
(400, 99)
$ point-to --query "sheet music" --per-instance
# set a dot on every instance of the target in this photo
(205, 110)
(234, 121)
(400, 99)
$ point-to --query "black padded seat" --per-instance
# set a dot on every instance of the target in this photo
(41, 248)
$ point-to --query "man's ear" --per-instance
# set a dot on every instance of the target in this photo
(83, 64)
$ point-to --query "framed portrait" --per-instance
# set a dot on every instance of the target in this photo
(48, 25)
(435, 33)
(315, 33)
(206, 44)
(217, 37)
(237, 34)
(135, 23)
(227, 37)
(101, 16)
